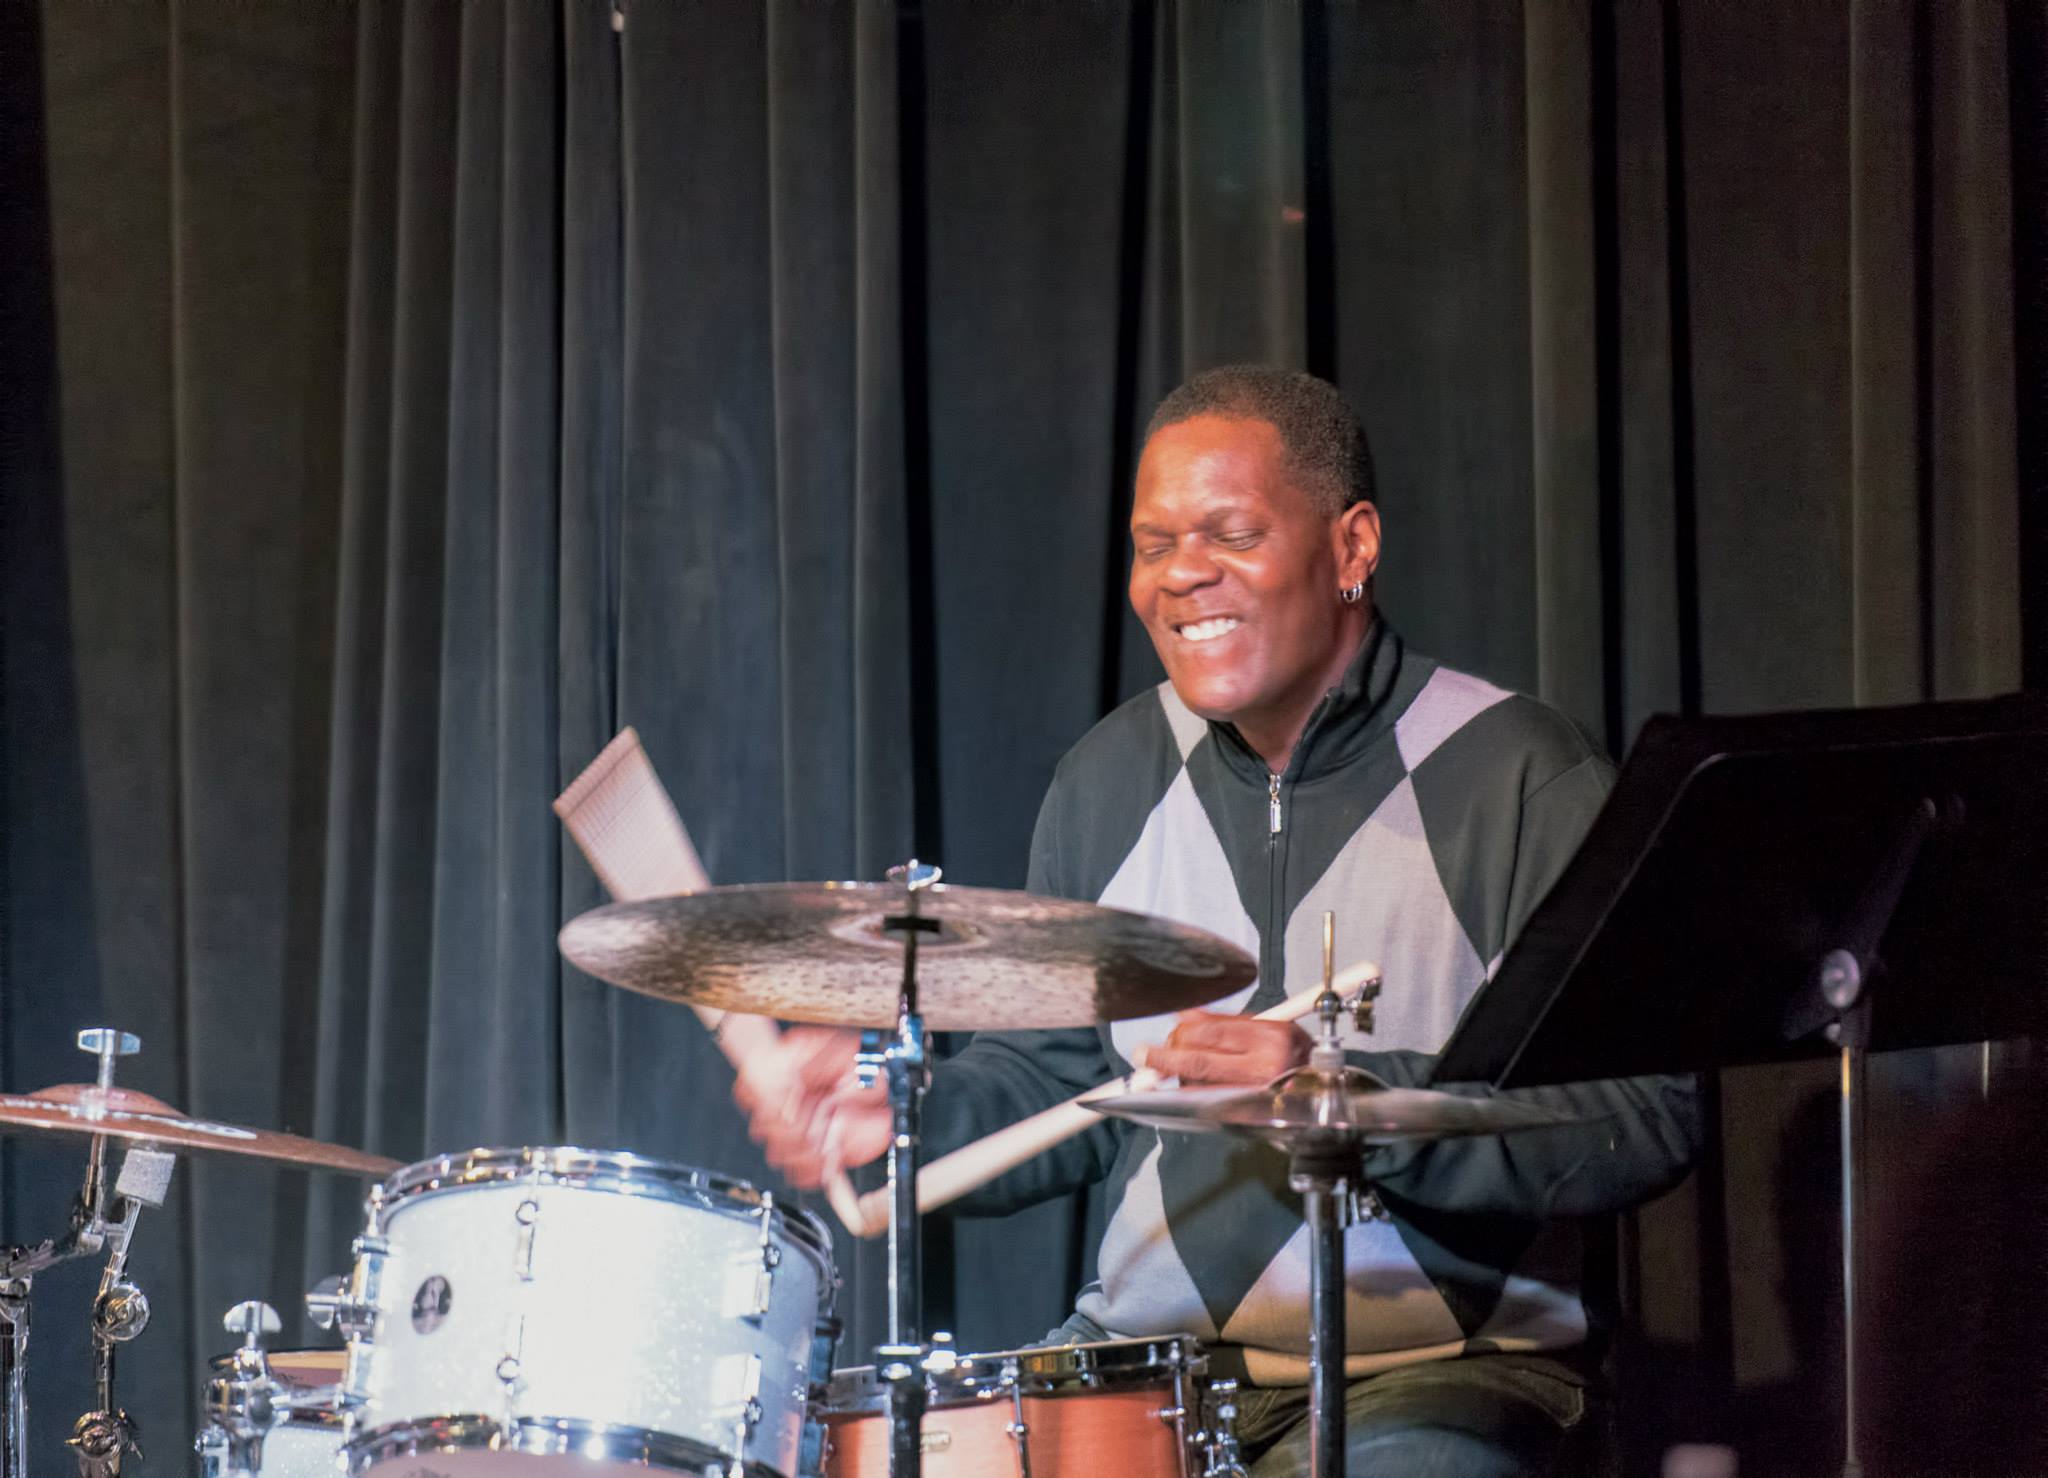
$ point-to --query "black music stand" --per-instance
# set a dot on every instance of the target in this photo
(1786, 886)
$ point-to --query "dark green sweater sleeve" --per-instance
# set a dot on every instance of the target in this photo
(1642, 1133)
(1002, 1077)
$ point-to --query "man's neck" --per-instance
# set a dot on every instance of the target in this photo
(1273, 737)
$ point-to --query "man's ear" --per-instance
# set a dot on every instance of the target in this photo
(1358, 544)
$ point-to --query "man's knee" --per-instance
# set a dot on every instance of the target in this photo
(1433, 1452)
(1414, 1451)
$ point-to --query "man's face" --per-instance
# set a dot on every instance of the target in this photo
(1235, 573)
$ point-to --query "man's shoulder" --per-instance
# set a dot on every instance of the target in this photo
(1150, 733)
(1463, 722)
(1104, 791)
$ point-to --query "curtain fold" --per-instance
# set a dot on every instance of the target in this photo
(418, 393)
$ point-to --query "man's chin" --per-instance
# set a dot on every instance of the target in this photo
(1217, 702)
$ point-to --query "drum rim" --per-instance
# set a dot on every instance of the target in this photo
(221, 1364)
(854, 1391)
(545, 1436)
(611, 1172)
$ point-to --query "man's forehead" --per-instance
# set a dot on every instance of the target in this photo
(1210, 466)
(1213, 429)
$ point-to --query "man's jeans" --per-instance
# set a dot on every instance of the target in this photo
(1478, 1416)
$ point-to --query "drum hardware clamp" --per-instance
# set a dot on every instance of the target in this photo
(1220, 1458)
(242, 1404)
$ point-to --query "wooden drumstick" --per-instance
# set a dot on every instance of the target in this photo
(621, 816)
(972, 1166)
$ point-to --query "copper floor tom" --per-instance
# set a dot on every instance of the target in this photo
(1141, 1406)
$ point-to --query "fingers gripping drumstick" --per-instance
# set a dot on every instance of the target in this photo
(972, 1166)
(621, 816)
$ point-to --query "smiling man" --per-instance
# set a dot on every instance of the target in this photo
(1300, 757)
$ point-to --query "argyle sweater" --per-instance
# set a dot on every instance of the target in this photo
(1430, 811)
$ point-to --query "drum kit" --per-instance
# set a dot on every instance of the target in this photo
(546, 1311)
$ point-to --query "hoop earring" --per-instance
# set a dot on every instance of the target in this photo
(1351, 595)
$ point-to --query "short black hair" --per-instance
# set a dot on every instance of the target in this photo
(1326, 446)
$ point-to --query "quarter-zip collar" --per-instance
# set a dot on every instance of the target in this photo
(1350, 718)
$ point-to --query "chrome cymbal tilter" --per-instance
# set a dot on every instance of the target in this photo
(901, 1058)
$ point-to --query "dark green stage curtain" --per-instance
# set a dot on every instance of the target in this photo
(403, 397)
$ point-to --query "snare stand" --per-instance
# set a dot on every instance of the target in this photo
(901, 1057)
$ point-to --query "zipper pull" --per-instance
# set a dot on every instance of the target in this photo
(1273, 805)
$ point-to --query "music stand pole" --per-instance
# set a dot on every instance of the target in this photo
(1852, 1193)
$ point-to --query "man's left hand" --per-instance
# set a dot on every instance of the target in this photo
(1204, 1047)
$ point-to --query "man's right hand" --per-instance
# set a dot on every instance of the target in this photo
(806, 1111)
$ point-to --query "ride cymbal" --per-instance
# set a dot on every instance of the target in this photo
(987, 958)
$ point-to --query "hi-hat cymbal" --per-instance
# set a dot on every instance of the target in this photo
(1304, 1108)
(81, 1108)
(998, 960)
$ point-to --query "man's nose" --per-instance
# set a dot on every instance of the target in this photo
(1188, 568)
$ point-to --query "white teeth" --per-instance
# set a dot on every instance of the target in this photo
(1209, 630)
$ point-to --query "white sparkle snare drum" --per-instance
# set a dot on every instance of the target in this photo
(535, 1312)
(1137, 1406)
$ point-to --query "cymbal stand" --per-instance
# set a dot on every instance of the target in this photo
(901, 1058)
(1323, 1168)
(103, 1217)
(120, 1311)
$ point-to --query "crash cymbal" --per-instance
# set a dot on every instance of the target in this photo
(81, 1108)
(1305, 1107)
(998, 960)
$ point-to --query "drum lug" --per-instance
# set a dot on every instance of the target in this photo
(746, 1408)
(1012, 1380)
(750, 1290)
(522, 1243)
(511, 1367)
